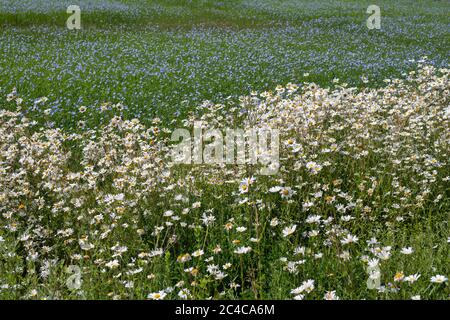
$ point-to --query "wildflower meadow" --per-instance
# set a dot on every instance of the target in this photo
(224, 150)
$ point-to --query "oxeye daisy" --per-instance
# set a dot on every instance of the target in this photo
(407, 250)
(228, 226)
(243, 250)
(184, 293)
(184, 258)
(157, 295)
(289, 230)
(286, 192)
(412, 278)
(331, 295)
(349, 239)
(438, 279)
(399, 276)
(244, 187)
(198, 253)
(275, 189)
(274, 222)
(307, 286)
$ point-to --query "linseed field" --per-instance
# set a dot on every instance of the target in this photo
(95, 205)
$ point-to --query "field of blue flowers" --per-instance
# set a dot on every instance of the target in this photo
(164, 57)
